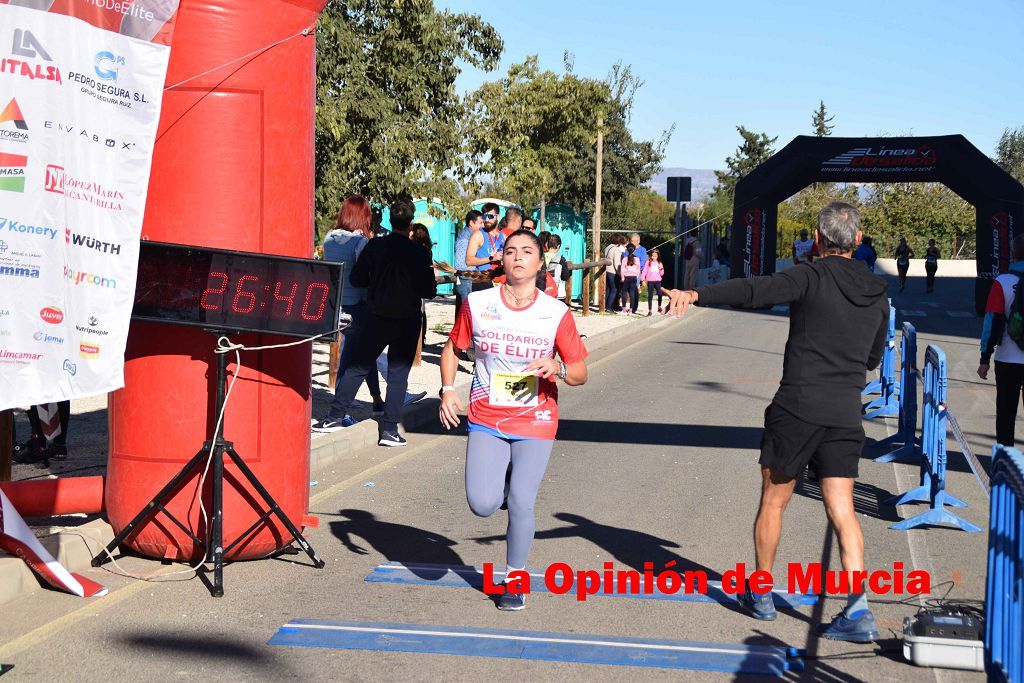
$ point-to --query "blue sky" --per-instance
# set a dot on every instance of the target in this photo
(916, 67)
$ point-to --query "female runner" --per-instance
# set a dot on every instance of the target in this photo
(515, 330)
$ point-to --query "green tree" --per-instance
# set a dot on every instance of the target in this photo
(388, 114)
(1010, 152)
(919, 212)
(754, 149)
(641, 209)
(820, 120)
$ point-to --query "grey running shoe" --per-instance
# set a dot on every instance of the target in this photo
(511, 602)
(761, 607)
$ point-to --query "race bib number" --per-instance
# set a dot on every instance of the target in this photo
(514, 389)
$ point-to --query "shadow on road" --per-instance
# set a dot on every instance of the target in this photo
(196, 649)
(396, 542)
(657, 433)
(867, 498)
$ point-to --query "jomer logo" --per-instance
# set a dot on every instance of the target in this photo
(27, 57)
(12, 123)
(103, 196)
(1001, 223)
(753, 249)
(884, 158)
(80, 240)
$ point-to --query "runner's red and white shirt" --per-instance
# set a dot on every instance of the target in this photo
(504, 400)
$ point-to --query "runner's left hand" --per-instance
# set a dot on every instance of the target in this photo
(545, 368)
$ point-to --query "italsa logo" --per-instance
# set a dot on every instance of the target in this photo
(12, 123)
(86, 136)
(27, 55)
(889, 158)
(107, 64)
(11, 225)
(12, 172)
(78, 277)
(87, 350)
(80, 240)
(102, 196)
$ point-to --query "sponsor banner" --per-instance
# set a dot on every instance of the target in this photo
(753, 248)
(80, 93)
(882, 160)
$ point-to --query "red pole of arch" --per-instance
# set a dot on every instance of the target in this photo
(233, 168)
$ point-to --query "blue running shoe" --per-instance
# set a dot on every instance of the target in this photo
(760, 606)
(860, 630)
(511, 602)
(330, 424)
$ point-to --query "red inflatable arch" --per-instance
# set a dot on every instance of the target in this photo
(233, 168)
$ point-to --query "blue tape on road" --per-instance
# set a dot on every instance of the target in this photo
(553, 647)
(472, 577)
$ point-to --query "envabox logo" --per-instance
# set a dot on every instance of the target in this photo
(52, 315)
(28, 57)
(102, 196)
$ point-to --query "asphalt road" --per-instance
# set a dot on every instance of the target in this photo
(656, 461)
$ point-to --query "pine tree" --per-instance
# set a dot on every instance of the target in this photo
(821, 120)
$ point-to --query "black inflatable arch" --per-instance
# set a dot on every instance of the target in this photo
(948, 159)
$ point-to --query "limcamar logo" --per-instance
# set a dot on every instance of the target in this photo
(52, 315)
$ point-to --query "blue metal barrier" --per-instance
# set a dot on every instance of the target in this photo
(1004, 590)
(886, 404)
(875, 387)
(933, 444)
(910, 450)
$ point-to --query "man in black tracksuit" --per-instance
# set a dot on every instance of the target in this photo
(398, 274)
(838, 323)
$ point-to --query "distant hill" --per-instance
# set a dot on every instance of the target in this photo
(703, 181)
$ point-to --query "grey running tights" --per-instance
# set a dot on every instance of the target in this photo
(487, 459)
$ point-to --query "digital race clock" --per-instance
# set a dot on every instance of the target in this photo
(237, 291)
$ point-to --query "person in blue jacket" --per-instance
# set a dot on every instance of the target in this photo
(866, 253)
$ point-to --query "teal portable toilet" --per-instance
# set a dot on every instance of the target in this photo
(561, 220)
(442, 233)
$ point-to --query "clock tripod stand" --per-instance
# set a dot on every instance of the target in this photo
(216, 448)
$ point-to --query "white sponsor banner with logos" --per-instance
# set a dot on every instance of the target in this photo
(79, 107)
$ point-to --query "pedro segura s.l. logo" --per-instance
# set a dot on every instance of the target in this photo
(103, 196)
(28, 59)
(104, 81)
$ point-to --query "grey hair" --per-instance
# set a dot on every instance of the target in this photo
(635, 234)
(838, 225)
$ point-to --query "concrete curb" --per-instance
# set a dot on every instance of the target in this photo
(75, 547)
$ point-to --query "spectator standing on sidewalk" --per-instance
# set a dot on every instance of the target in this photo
(629, 272)
(486, 245)
(344, 243)
(512, 221)
(653, 273)
(613, 252)
(866, 253)
(692, 254)
(557, 266)
(903, 255)
(996, 337)
(472, 223)
(398, 274)
(931, 264)
(641, 251)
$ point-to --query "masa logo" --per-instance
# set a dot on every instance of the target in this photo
(11, 115)
(12, 171)
(107, 64)
(884, 158)
(83, 134)
(88, 351)
(47, 338)
(52, 315)
(27, 53)
(80, 240)
(102, 196)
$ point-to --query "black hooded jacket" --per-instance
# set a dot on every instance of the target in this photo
(838, 319)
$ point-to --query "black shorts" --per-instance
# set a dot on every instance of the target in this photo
(789, 444)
